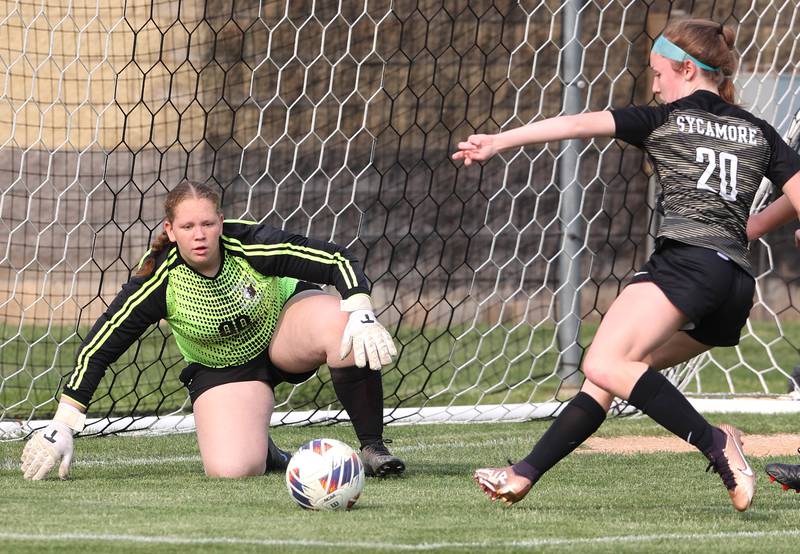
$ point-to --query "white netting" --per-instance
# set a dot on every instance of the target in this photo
(336, 120)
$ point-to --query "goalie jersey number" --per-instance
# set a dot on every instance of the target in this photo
(234, 327)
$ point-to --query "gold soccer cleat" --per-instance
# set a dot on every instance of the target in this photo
(736, 473)
(502, 484)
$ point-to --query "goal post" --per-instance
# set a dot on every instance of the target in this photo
(336, 120)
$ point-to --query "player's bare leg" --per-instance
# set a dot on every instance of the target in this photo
(639, 320)
(231, 420)
(308, 335)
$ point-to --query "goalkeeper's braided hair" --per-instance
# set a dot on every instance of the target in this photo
(185, 189)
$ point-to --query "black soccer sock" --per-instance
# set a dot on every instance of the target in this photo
(577, 422)
(659, 399)
(360, 390)
(277, 459)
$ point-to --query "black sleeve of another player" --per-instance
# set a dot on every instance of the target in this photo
(784, 162)
(272, 251)
(635, 123)
(140, 303)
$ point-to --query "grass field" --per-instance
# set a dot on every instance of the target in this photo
(145, 494)
(488, 366)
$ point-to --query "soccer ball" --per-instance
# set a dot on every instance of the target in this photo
(325, 474)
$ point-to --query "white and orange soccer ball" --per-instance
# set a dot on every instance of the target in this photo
(325, 474)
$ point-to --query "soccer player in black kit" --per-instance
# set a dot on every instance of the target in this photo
(696, 290)
(246, 315)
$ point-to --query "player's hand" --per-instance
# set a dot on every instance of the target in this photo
(53, 445)
(477, 148)
(797, 238)
(45, 449)
(365, 336)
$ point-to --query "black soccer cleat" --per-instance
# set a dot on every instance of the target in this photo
(379, 462)
(277, 459)
(788, 475)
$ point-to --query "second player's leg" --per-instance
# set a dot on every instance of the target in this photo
(678, 349)
(577, 422)
(638, 322)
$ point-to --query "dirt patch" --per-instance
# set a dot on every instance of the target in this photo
(754, 445)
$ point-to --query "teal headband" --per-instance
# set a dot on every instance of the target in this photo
(671, 51)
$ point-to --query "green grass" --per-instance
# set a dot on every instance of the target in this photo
(436, 367)
(132, 494)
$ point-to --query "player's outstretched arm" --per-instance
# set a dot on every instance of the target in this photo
(791, 191)
(53, 444)
(479, 148)
(370, 342)
(775, 215)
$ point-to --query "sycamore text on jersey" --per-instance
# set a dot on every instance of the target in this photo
(700, 126)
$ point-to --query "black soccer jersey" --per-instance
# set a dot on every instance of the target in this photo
(217, 321)
(709, 158)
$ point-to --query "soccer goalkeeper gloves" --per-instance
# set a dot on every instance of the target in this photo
(52, 445)
(368, 339)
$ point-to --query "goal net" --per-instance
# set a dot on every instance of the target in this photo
(336, 120)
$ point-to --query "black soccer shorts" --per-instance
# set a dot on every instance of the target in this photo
(711, 290)
(199, 378)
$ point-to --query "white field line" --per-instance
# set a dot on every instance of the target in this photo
(116, 462)
(400, 416)
(524, 544)
(163, 460)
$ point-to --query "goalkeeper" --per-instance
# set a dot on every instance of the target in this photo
(240, 301)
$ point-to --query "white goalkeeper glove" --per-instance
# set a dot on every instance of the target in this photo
(52, 445)
(763, 194)
(367, 338)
